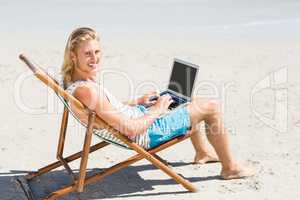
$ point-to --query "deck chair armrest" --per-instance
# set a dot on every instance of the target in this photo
(28, 63)
(49, 81)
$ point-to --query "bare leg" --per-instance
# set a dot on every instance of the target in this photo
(219, 139)
(200, 110)
(203, 154)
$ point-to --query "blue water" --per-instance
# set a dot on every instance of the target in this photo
(277, 19)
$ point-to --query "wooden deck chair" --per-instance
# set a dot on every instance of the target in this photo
(108, 134)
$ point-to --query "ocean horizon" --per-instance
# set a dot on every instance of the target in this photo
(214, 19)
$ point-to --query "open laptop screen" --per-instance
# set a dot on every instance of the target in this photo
(182, 79)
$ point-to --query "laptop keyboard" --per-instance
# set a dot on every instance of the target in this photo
(176, 100)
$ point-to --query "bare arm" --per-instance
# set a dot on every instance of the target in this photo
(145, 99)
(132, 102)
(98, 102)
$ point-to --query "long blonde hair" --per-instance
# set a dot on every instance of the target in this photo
(77, 36)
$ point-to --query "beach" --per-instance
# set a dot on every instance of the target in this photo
(248, 54)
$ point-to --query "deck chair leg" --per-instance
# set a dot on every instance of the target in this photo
(85, 152)
(100, 175)
(68, 159)
(62, 135)
(185, 183)
(160, 159)
(61, 143)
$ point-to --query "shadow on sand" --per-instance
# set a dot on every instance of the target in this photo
(125, 183)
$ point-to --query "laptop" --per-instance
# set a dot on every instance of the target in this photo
(181, 83)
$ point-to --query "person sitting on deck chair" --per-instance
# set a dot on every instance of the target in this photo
(144, 125)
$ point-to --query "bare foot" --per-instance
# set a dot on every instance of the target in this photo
(239, 172)
(202, 158)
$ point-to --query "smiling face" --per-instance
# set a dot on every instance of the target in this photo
(87, 60)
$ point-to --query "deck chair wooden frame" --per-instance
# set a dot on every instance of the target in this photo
(81, 180)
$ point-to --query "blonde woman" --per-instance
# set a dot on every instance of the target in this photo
(144, 125)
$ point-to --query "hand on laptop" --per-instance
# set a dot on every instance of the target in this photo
(162, 104)
(149, 98)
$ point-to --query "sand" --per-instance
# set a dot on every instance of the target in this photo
(248, 54)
